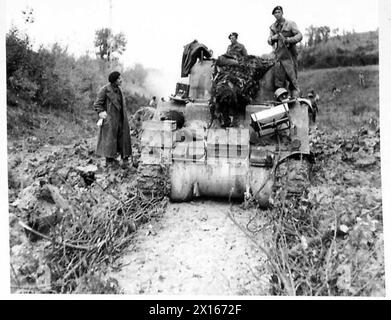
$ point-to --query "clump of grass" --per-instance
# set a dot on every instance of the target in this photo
(328, 240)
(348, 109)
(359, 109)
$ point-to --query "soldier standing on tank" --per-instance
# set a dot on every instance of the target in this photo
(235, 49)
(114, 134)
(284, 35)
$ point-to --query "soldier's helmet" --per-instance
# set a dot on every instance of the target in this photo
(279, 92)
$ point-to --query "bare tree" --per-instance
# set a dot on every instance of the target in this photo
(317, 35)
(310, 33)
(325, 33)
(108, 43)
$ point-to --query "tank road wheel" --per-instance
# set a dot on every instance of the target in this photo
(153, 180)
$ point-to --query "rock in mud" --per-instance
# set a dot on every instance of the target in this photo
(88, 173)
(41, 206)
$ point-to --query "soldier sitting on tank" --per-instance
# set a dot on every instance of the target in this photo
(234, 53)
(235, 49)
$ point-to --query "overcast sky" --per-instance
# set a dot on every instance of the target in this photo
(157, 30)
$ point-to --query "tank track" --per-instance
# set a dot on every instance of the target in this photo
(292, 179)
(153, 180)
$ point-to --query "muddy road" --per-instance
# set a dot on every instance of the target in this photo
(191, 249)
(194, 249)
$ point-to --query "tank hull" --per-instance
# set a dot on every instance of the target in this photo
(194, 167)
(215, 179)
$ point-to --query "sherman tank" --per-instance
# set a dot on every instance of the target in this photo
(186, 152)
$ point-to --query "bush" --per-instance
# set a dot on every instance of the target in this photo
(19, 57)
(354, 49)
(52, 79)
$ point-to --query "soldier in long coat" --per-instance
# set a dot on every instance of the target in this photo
(284, 35)
(114, 134)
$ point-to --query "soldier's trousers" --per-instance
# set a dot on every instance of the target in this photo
(286, 71)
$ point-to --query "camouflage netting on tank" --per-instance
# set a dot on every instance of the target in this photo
(235, 83)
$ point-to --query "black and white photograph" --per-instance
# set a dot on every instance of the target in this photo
(199, 149)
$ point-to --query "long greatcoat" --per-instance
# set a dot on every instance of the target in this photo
(114, 134)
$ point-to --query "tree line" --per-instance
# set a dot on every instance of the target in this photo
(52, 78)
(327, 48)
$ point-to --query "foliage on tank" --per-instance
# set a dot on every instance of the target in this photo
(236, 82)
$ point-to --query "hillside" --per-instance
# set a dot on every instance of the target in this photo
(348, 109)
(49, 89)
(350, 49)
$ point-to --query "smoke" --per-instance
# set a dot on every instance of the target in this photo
(160, 83)
(151, 82)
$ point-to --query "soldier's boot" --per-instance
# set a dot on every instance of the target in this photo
(125, 163)
(111, 163)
